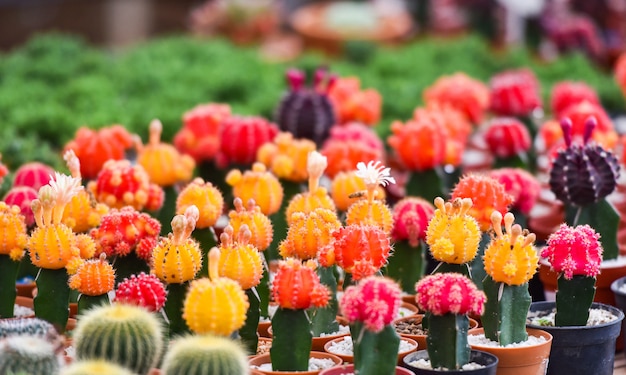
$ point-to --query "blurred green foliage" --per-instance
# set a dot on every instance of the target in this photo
(56, 83)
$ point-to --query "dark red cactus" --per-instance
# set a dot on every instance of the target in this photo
(142, 290)
(307, 112)
(507, 137)
(515, 93)
(241, 137)
(583, 174)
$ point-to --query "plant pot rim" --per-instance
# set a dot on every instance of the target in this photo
(532, 331)
(595, 305)
(474, 352)
(337, 339)
(616, 284)
(350, 367)
(265, 358)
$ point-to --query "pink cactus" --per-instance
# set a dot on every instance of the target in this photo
(241, 137)
(142, 290)
(507, 137)
(449, 293)
(410, 219)
(374, 301)
(22, 196)
(33, 175)
(567, 93)
(521, 185)
(574, 251)
(515, 93)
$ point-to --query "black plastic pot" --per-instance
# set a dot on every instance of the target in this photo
(490, 362)
(620, 301)
(581, 349)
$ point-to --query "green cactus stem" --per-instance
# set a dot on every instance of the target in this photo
(603, 218)
(28, 355)
(573, 300)
(291, 344)
(324, 320)
(407, 265)
(207, 239)
(520, 160)
(375, 353)
(505, 313)
(477, 268)
(263, 289)
(427, 184)
(8, 275)
(53, 297)
(449, 347)
(130, 264)
(168, 210)
(174, 308)
(248, 333)
(86, 302)
(279, 219)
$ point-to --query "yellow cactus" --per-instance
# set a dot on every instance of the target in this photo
(94, 277)
(178, 258)
(239, 259)
(257, 184)
(13, 238)
(215, 305)
(452, 234)
(308, 233)
(259, 224)
(86, 245)
(163, 163)
(347, 187)
(511, 257)
(206, 197)
(287, 157)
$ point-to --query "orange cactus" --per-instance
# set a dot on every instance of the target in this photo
(120, 184)
(458, 128)
(487, 195)
(359, 249)
(94, 277)
(200, 134)
(420, 144)
(308, 232)
(257, 184)
(13, 238)
(261, 230)
(239, 259)
(353, 104)
(462, 92)
(206, 197)
(297, 286)
(346, 189)
(163, 163)
(286, 157)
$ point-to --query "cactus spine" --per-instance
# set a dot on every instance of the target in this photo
(205, 355)
(128, 335)
(28, 354)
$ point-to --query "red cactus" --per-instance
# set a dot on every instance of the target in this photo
(461, 92)
(449, 293)
(296, 286)
(375, 301)
(120, 184)
(487, 195)
(515, 93)
(142, 290)
(22, 196)
(507, 137)
(34, 175)
(122, 231)
(353, 104)
(604, 132)
(419, 144)
(521, 185)
(94, 147)
(410, 219)
(200, 134)
(574, 251)
(567, 93)
(620, 72)
(241, 137)
(348, 145)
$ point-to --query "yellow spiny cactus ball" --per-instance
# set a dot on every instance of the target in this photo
(308, 233)
(257, 184)
(452, 234)
(215, 305)
(13, 238)
(240, 260)
(510, 257)
(206, 197)
(261, 229)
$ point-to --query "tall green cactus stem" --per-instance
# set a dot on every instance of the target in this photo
(372, 351)
(427, 184)
(279, 219)
(94, 367)
(505, 314)
(407, 265)
(27, 327)
(573, 300)
(168, 210)
(248, 333)
(205, 355)
(8, 275)
(28, 355)
(292, 340)
(53, 296)
(174, 308)
(207, 240)
(603, 218)
(263, 289)
(86, 302)
(128, 335)
(448, 347)
(324, 319)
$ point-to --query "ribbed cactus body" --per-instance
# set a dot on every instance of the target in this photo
(206, 197)
(205, 355)
(261, 229)
(34, 175)
(28, 355)
(22, 196)
(143, 290)
(82, 214)
(95, 367)
(309, 201)
(27, 327)
(241, 137)
(257, 184)
(120, 184)
(507, 137)
(52, 246)
(127, 335)
(346, 189)
(370, 212)
(308, 233)
(306, 112)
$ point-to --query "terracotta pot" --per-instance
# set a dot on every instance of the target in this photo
(350, 359)
(421, 339)
(411, 307)
(25, 290)
(409, 299)
(265, 358)
(25, 302)
(263, 327)
(349, 369)
(522, 360)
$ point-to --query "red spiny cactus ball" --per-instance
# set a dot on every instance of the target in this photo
(142, 290)
(241, 137)
(507, 137)
(419, 144)
(34, 175)
(375, 301)
(22, 196)
(200, 134)
(515, 93)
(348, 145)
(567, 93)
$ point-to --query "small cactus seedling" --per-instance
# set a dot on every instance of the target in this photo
(29, 355)
(128, 335)
(205, 355)
(27, 327)
(95, 367)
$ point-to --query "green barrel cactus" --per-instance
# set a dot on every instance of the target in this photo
(27, 327)
(28, 355)
(205, 355)
(95, 367)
